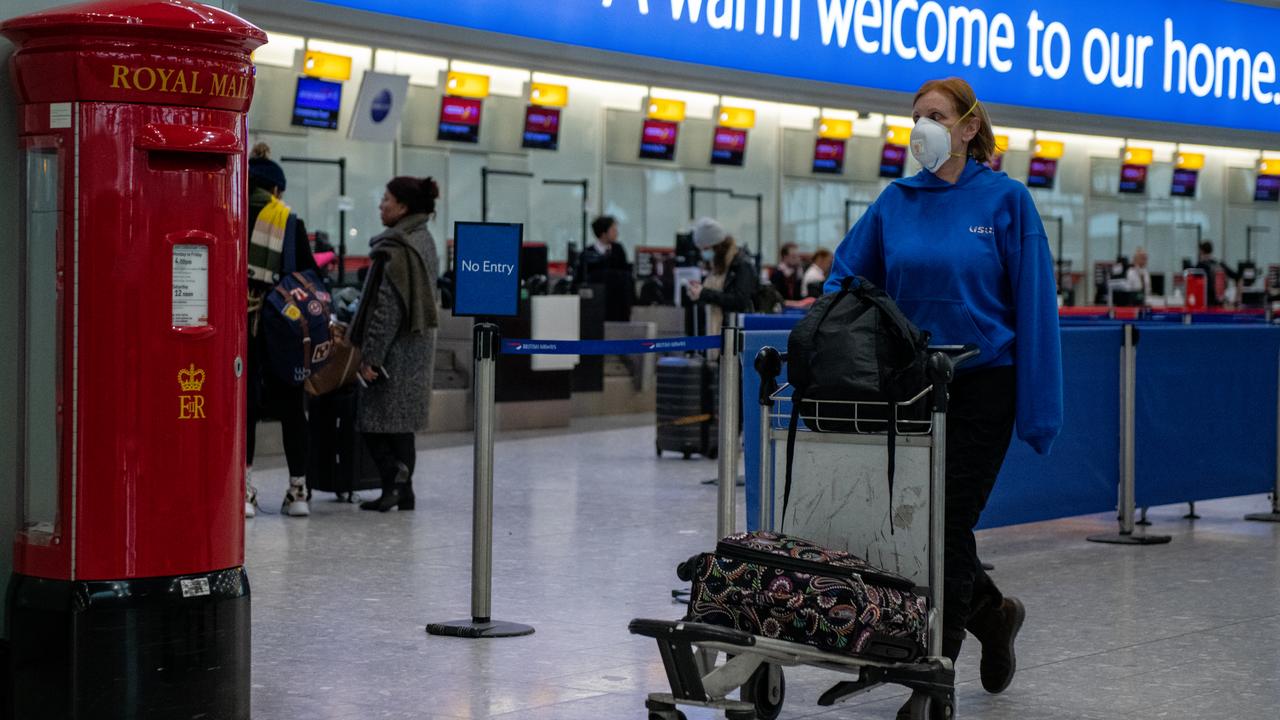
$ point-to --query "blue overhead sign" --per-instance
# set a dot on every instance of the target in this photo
(486, 269)
(1205, 62)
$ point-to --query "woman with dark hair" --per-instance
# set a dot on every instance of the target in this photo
(962, 250)
(398, 341)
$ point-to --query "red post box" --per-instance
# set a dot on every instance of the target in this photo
(129, 596)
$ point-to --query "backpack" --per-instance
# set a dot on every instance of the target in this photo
(295, 318)
(854, 345)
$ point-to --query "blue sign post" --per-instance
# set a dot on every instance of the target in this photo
(486, 284)
(486, 269)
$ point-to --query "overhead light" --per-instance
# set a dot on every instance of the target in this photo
(467, 85)
(898, 135)
(737, 118)
(547, 95)
(835, 128)
(1049, 149)
(326, 65)
(1190, 161)
(663, 109)
(1138, 155)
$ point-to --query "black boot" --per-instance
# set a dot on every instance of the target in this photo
(996, 626)
(399, 493)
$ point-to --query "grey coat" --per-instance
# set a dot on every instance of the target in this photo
(399, 403)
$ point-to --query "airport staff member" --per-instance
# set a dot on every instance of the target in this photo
(786, 277)
(605, 263)
(962, 250)
(1138, 279)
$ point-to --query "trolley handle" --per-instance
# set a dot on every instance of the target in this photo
(943, 360)
(768, 364)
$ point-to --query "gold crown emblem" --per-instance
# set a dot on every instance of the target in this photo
(191, 379)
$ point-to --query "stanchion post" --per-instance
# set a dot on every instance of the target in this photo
(768, 365)
(765, 499)
(481, 624)
(1274, 515)
(730, 413)
(1128, 424)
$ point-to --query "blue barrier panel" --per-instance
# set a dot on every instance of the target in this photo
(1206, 412)
(752, 323)
(1082, 474)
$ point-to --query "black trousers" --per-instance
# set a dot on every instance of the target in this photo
(269, 396)
(388, 451)
(980, 423)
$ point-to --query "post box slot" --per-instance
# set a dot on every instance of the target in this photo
(179, 161)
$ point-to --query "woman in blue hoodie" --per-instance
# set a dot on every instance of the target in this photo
(963, 252)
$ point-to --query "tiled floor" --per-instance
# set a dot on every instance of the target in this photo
(589, 528)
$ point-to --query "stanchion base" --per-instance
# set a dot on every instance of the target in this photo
(1123, 539)
(477, 630)
(1272, 516)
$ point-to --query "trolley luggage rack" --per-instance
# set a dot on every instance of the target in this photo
(690, 651)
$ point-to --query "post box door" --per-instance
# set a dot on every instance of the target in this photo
(162, 338)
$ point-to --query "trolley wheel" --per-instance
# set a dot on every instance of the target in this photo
(926, 707)
(767, 688)
(671, 715)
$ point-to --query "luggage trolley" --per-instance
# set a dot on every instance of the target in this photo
(691, 651)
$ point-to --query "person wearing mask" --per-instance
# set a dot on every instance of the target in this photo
(266, 394)
(1138, 278)
(962, 250)
(1210, 265)
(604, 262)
(397, 344)
(816, 274)
(731, 285)
(786, 277)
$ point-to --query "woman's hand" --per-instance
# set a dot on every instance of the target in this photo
(368, 373)
(694, 289)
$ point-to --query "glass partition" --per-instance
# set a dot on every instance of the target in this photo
(40, 342)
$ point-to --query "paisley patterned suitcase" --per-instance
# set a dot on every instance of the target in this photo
(791, 589)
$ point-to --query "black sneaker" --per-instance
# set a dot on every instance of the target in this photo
(996, 627)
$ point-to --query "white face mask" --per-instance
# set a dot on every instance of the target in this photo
(708, 255)
(931, 142)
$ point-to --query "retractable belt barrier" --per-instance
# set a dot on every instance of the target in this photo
(486, 346)
(612, 347)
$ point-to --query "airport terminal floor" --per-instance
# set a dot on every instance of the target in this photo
(588, 529)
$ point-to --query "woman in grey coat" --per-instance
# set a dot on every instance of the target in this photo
(398, 341)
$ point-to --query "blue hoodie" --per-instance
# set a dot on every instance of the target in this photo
(970, 263)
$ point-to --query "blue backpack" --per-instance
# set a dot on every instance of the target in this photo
(295, 318)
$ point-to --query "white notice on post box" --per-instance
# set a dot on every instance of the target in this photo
(190, 285)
